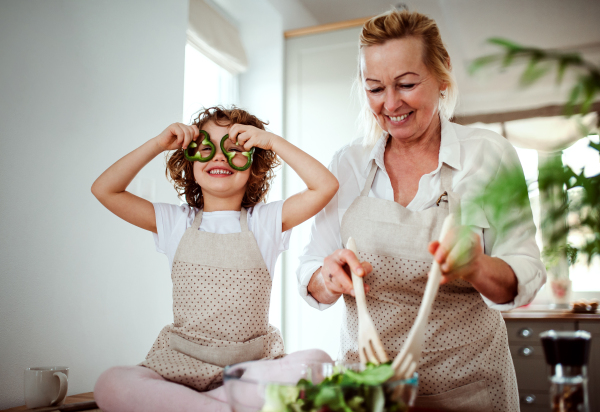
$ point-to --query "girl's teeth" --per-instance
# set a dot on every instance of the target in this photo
(399, 118)
(219, 172)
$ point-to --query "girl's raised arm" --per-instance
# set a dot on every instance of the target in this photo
(110, 187)
(321, 184)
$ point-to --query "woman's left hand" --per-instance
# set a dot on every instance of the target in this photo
(459, 254)
(249, 136)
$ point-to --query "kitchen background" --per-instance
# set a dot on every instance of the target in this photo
(83, 83)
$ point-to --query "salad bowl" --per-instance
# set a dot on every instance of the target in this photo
(270, 386)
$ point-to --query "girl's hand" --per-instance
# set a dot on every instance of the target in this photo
(459, 254)
(249, 136)
(177, 136)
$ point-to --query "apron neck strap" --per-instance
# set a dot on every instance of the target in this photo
(243, 220)
(197, 220)
(446, 176)
(369, 182)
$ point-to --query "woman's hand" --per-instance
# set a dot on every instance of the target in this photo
(458, 255)
(249, 136)
(177, 136)
(461, 256)
(334, 277)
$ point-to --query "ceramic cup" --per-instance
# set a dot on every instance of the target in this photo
(46, 386)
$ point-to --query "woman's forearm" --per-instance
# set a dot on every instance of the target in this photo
(495, 279)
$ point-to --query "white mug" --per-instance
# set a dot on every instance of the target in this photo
(46, 386)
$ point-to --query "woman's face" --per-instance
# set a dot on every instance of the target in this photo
(401, 91)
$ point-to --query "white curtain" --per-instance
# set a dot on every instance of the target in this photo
(549, 134)
(216, 37)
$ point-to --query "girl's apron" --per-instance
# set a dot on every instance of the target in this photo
(466, 364)
(221, 296)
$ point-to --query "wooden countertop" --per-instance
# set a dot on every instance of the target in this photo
(542, 312)
(74, 399)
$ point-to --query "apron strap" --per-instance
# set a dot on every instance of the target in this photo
(244, 220)
(369, 182)
(197, 220)
(453, 199)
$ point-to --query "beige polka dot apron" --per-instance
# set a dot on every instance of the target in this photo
(221, 295)
(466, 364)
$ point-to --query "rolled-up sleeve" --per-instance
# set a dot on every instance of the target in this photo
(518, 248)
(324, 240)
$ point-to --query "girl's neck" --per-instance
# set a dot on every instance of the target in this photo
(217, 204)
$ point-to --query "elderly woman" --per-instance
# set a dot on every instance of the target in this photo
(396, 187)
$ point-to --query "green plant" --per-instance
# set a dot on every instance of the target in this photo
(572, 199)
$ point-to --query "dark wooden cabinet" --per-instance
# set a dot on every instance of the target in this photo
(524, 328)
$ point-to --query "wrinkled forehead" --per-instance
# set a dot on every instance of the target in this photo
(393, 57)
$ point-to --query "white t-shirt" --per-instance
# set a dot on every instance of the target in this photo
(264, 221)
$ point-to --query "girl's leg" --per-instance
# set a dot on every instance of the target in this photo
(136, 388)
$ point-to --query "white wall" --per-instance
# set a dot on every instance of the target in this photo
(81, 84)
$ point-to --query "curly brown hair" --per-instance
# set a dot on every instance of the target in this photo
(180, 171)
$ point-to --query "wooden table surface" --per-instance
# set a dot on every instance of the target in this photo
(82, 397)
(87, 397)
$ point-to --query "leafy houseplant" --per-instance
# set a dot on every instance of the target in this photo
(571, 198)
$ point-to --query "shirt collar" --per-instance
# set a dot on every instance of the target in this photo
(449, 149)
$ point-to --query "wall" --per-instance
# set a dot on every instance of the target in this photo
(81, 84)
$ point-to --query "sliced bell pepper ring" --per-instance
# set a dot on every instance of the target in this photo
(198, 156)
(231, 155)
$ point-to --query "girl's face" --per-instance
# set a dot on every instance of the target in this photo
(402, 93)
(216, 177)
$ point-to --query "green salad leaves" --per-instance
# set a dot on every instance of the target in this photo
(345, 391)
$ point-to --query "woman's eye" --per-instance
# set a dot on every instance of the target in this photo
(407, 86)
(376, 90)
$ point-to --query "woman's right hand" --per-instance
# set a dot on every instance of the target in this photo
(177, 136)
(334, 278)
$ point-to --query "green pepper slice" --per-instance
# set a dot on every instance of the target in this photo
(230, 156)
(198, 156)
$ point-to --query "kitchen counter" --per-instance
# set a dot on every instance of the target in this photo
(524, 326)
(545, 312)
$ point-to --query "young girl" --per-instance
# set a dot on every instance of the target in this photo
(222, 246)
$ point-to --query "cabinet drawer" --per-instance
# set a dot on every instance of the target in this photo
(530, 331)
(527, 350)
(592, 327)
(532, 374)
(534, 401)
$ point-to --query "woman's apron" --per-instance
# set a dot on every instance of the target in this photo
(465, 364)
(221, 296)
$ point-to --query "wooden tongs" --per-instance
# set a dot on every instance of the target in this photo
(370, 347)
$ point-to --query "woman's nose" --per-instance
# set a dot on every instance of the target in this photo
(392, 100)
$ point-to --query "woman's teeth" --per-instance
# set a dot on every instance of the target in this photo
(219, 172)
(399, 118)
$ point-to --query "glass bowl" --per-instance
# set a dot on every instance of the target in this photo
(249, 384)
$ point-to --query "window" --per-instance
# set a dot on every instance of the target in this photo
(579, 157)
(205, 84)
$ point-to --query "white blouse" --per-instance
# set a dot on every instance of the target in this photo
(475, 155)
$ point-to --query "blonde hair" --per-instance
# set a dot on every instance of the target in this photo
(396, 24)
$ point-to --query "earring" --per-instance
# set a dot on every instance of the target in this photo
(442, 94)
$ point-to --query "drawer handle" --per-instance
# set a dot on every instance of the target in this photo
(526, 351)
(525, 333)
(529, 399)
